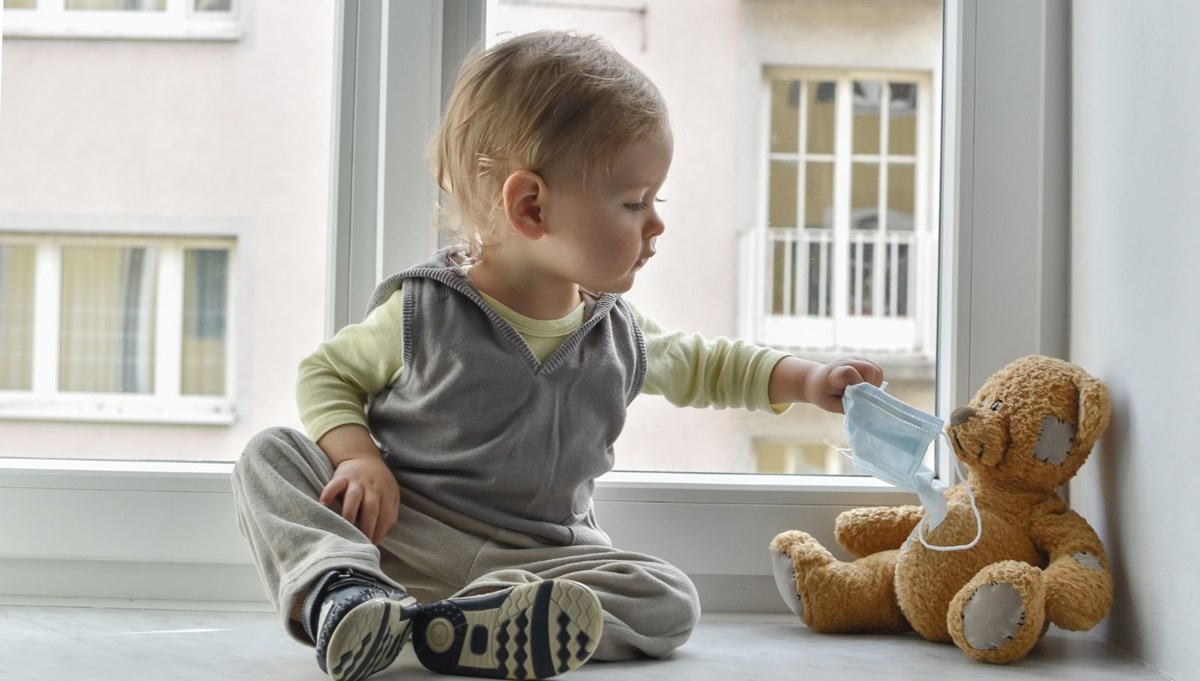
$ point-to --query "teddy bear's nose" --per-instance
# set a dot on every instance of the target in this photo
(959, 416)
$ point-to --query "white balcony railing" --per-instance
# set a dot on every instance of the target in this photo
(817, 289)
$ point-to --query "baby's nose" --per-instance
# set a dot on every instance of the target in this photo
(959, 416)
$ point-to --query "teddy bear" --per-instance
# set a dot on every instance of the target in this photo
(1036, 562)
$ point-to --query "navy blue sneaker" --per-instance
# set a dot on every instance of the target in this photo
(531, 631)
(357, 623)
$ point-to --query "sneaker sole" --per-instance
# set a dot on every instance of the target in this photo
(532, 631)
(368, 638)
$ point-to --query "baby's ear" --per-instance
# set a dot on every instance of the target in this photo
(1094, 410)
(524, 194)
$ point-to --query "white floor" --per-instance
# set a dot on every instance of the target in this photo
(97, 644)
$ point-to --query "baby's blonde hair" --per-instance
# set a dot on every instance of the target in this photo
(529, 102)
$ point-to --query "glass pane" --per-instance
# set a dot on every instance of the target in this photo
(902, 196)
(783, 194)
(20, 4)
(867, 118)
(822, 117)
(818, 195)
(783, 456)
(108, 320)
(121, 5)
(205, 309)
(730, 251)
(213, 5)
(785, 116)
(902, 119)
(16, 316)
(864, 196)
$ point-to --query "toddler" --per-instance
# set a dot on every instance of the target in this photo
(443, 492)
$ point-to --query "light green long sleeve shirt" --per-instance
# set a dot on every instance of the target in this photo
(362, 359)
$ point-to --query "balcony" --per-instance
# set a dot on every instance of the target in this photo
(823, 293)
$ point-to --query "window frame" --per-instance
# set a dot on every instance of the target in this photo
(166, 403)
(100, 527)
(178, 21)
(758, 321)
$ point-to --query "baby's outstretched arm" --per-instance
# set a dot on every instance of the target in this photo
(799, 380)
(369, 493)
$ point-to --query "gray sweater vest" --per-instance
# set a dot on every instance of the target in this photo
(476, 429)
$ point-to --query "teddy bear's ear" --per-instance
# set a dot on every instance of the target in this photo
(1094, 410)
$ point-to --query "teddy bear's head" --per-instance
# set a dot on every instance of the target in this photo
(1031, 425)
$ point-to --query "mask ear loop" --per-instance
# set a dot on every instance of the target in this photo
(974, 509)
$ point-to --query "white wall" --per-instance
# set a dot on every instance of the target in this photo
(1135, 315)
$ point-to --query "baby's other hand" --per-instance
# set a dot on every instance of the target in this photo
(828, 383)
(369, 493)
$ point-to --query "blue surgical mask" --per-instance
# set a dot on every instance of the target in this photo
(888, 439)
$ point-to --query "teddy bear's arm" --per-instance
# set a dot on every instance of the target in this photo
(1078, 584)
(863, 531)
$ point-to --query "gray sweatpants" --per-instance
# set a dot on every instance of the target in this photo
(650, 606)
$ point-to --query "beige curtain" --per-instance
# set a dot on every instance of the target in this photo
(108, 319)
(16, 316)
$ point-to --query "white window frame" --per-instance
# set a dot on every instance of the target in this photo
(165, 404)
(137, 530)
(178, 21)
(912, 338)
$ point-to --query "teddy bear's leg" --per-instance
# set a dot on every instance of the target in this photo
(1000, 614)
(830, 596)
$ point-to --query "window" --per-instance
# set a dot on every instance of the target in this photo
(849, 243)
(114, 529)
(126, 329)
(843, 259)
(837, 257)
(185, 19)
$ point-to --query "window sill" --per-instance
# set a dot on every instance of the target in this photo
(216, 32)
(106, 527)
(118, 409)
(617, 486)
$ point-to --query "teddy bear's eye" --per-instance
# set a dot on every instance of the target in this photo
(996, 405)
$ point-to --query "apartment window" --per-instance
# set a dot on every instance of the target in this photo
(120, 328)
(156, 19)
(845, 253)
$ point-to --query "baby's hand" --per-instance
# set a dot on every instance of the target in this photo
(369, 493)
(826, 384)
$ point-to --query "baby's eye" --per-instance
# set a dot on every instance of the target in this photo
(638, 206)
(996, 405)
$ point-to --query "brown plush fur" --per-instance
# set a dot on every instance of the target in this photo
(1031, 540)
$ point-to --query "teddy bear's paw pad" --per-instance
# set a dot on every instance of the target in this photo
(785, 581)
(992, 616)
(1088, 560)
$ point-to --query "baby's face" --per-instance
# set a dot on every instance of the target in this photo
(600, 233)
